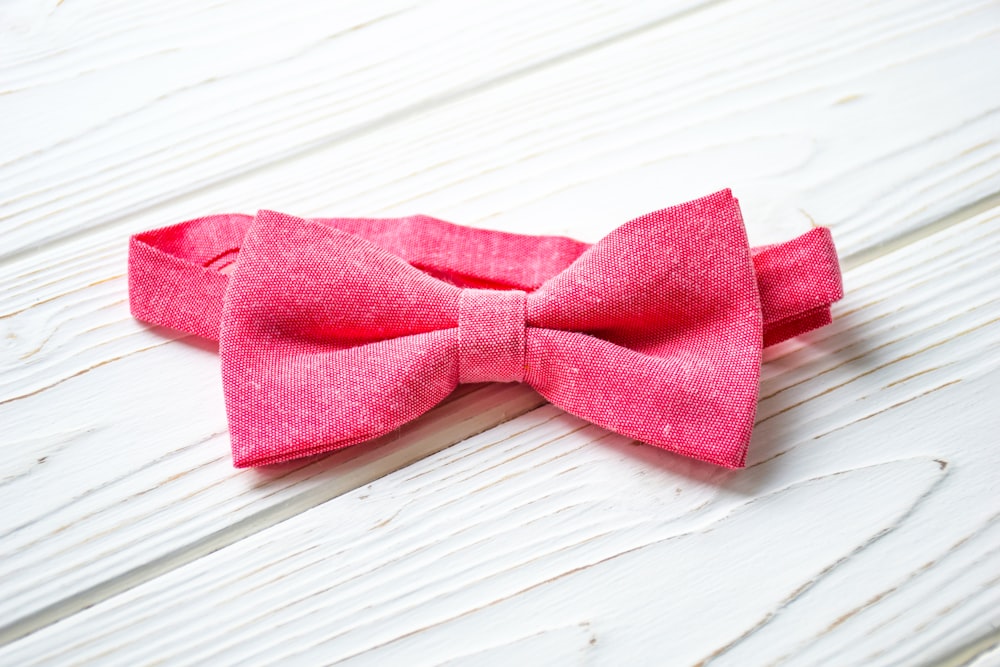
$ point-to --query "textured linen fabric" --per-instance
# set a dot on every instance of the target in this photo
(336, 331)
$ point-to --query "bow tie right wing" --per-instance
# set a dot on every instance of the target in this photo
(655, 332)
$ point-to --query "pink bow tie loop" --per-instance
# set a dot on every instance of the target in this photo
(654, 332)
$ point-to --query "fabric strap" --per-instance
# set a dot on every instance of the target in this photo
(178, 275)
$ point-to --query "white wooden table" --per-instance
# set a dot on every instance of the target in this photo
(497, 529)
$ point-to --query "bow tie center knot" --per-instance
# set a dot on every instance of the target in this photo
(491, 326)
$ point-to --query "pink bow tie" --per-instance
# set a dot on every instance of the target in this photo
(328, 339)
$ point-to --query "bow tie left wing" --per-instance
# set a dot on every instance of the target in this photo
(328, 341)
(672, 358)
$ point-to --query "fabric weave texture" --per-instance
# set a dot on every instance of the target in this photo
(333, 332)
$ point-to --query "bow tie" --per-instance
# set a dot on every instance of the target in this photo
(329, 338)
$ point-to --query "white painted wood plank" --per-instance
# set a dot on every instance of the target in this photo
(864, 532)
(835, 95)
(113, 496)
(167, 99)
(113, 521)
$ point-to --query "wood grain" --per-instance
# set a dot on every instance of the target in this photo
(839, 98)
(170, 101)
